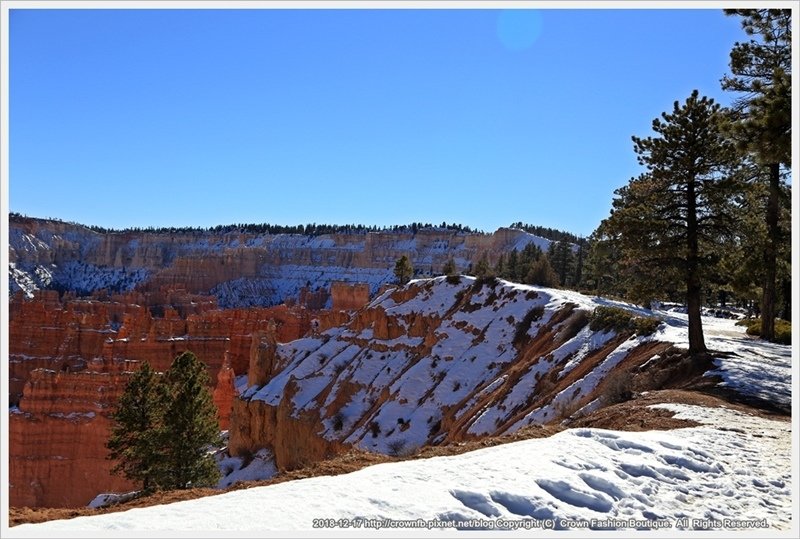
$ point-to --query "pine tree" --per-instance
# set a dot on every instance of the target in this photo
(482, 268)
(403, 270)
(500, 267)
(512, 268)
(541, 273)
(670, 219)
(190, 425)
(601, 272)
(136, 430)
(562, 260)
(449, 268)
(762, 121)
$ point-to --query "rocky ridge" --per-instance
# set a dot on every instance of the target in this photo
(430, 363)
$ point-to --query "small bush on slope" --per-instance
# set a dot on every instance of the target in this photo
(619, 320)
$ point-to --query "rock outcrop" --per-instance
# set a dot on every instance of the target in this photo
(431, 363)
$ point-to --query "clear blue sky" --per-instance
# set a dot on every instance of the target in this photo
(482, 117)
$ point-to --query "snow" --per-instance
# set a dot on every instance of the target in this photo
(711, 476)
(748, 365)
(234, 469)
(111, 498)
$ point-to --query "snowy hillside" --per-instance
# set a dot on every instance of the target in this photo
(437, 361)
(706, 477)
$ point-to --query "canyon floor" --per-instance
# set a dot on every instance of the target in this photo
(715, 453)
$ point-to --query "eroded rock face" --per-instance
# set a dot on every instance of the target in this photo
(57, 439)
(349, 297)
(429, 363)
(70, 360)
(238, 269)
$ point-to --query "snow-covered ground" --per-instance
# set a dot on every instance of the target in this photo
(707, 477)
(751, 366)
(234, 469)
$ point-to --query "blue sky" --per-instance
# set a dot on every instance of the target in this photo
(482, 117)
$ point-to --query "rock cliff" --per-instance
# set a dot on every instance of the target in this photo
(57, 436)
(430, 363)
(69, 359)
(239, 269)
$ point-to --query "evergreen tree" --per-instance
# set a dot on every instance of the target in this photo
(562, 260)
(601, 270)
(669, 220)
(403, 270)
(136, 430)
(500, 267)
(742, 271)
(482, 268)
(449, 268)
(541, 273)
(512, 268)
(190, 425)
(579, 258)
(762, 121)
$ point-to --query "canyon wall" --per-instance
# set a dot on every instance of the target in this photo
(57, 436)
(70, 358)
(88, 307)
(239, 269)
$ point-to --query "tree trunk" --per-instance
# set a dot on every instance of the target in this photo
(697, 343)
(770, 255)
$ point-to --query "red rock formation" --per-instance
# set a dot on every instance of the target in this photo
(225, 392)
(313, 299)
(262, 356)
(295, 440)
(58, 437)
(57, 454)
(349, 296)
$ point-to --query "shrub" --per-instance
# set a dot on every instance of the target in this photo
(375, 429)
(618, 388)
(435, 428)
(453, 279)
(608, 318)
(620, 320)
(488, 280)
(646, 325)
(783, 329)
(396, 447)
(338, 421)
(521, 332)
(460, 295)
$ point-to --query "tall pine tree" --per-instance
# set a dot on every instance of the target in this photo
(135, 441)
(762, 122)
(669, 220)
(190, 425)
